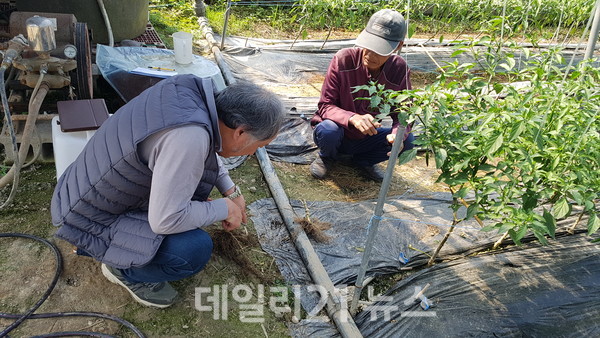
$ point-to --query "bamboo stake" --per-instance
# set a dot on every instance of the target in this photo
(337, 309)
(297, 36)
(498, 242)
(572, 228)
(327, 37)
(439, 248)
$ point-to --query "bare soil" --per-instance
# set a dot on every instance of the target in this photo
(27, 267)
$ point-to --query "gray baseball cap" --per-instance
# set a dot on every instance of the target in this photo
(384, 32)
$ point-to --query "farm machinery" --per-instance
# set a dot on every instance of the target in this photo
(47, 49)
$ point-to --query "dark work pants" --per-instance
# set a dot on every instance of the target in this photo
(179, 256)
(329, 137)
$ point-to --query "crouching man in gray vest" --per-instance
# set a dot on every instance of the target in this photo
(137, 196)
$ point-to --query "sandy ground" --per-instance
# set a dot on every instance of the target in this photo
(27, 273)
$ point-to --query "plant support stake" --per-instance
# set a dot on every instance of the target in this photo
(227, 12)
(385, 187)
(589, 52)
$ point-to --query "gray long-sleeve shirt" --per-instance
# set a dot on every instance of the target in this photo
(177, 168)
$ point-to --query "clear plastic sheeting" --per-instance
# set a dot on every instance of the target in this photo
(320, 46)
(532, 291)
(419, 53)
(117, 63)
(288, 61)
(263, 65)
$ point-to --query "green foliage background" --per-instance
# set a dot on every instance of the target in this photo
(522, 156)
(534, 19)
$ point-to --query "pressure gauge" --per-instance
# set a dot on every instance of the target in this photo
(70, 51)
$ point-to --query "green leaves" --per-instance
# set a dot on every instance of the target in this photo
(493, 146)
(517, 235)
(407, 156)
(550, 223)
(375, 100)
(457, 53)
(448, 16)
(509, 65)
(593, 224)
(472, 210)
(516, 131)
(529, 156)
(530, 200)
(561, 208)
(440, 157)
(411, 30)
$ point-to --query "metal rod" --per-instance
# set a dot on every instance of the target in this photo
(589, 52)
(225, 23)
(385, 186)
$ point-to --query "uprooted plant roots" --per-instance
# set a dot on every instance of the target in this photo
(314, 229)
(233, 245)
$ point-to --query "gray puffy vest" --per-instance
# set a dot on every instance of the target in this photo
(101, 200)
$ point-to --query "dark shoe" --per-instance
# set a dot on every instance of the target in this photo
(160, 295)
(319, 167)
(373, 173)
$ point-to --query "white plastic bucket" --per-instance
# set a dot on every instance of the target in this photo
(67, 146)
(182, 43)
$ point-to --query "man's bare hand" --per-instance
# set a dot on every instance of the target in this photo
(240, 201)
(366, 124)
(235, 215)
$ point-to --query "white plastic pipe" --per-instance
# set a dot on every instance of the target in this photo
(589, 52)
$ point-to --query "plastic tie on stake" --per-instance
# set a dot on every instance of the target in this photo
(402, 258)
(425, 303)
(379, 218)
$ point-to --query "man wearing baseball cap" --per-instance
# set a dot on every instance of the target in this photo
(344, 125)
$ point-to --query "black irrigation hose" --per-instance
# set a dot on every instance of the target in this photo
(29, 314)
(57, 256)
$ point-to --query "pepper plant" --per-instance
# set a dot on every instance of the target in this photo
(521, 157)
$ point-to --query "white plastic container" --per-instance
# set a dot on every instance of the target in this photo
(182, 43)
(67, 146)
